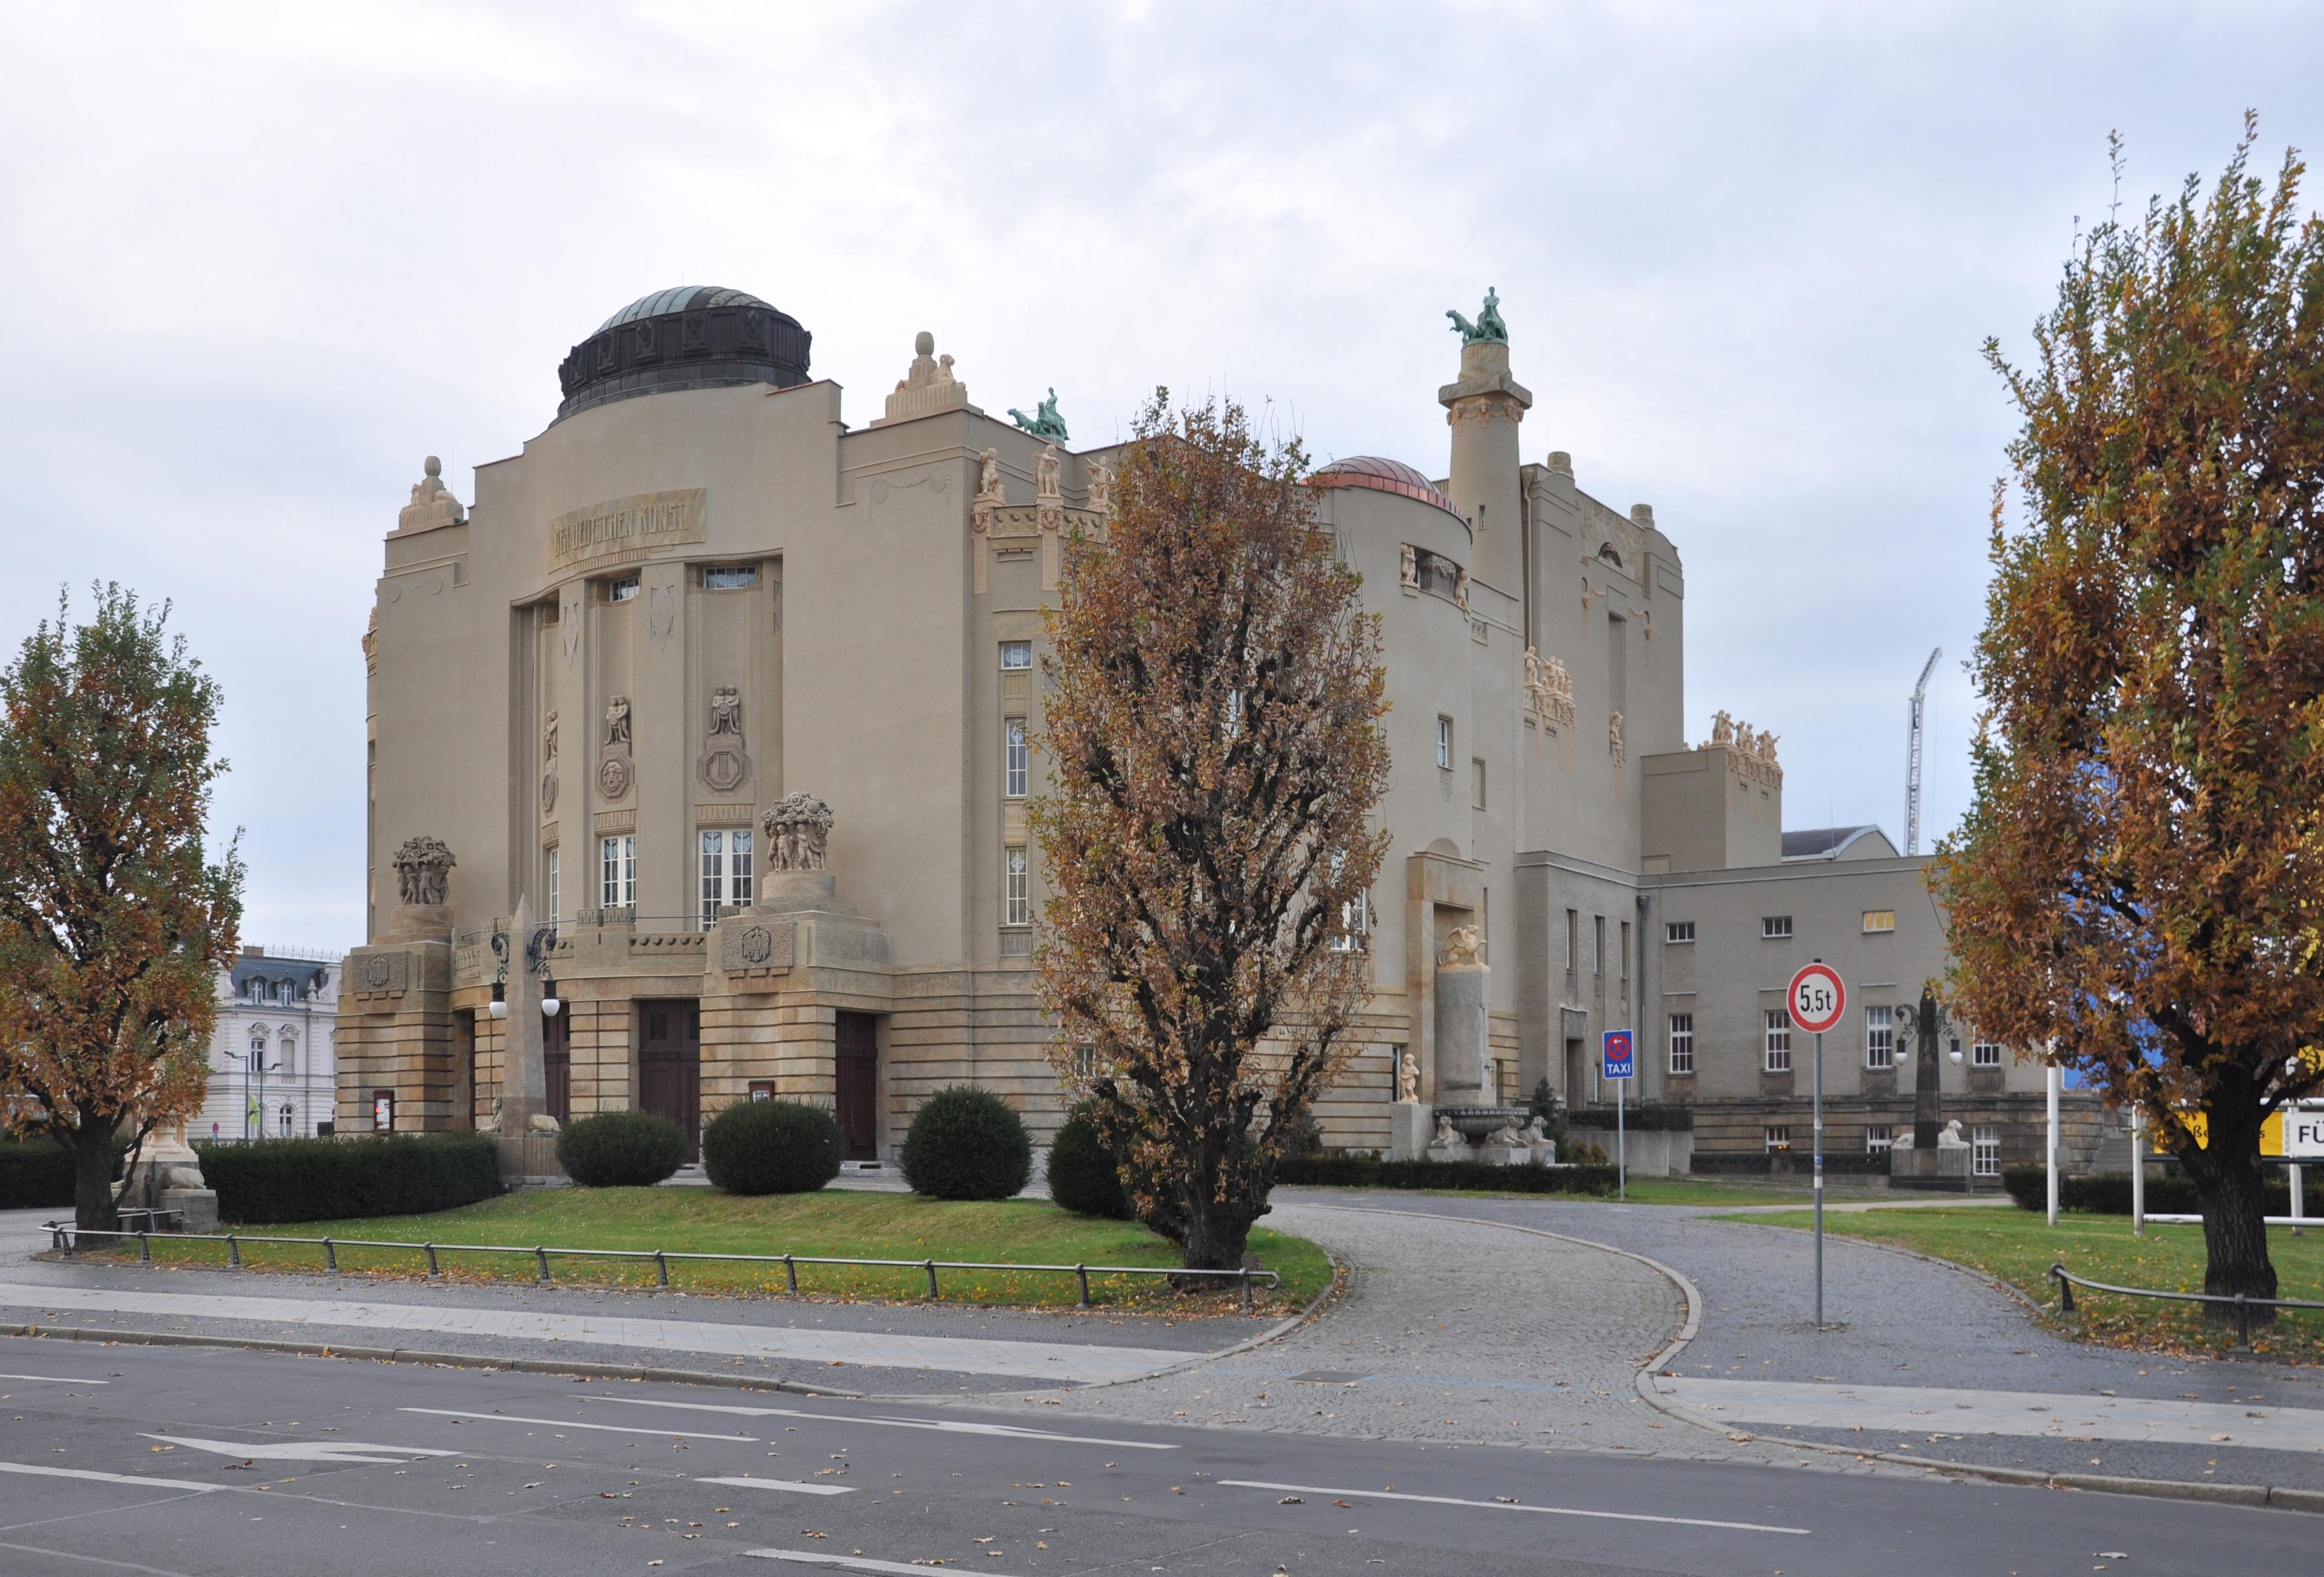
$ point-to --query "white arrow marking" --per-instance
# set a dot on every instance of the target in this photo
(302, 1451)
(47, 1472)
(1505, 1506)
(795, 1488)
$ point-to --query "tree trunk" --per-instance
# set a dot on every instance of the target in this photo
(2228, 1180)
(92, 1151)
(1216, 1235)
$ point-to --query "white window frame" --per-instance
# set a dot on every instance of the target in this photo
(1678, 933)
(729, 577)
(1879, 1139)
(1778, 1054)
(1775, 1136)
(1880, 1038)
(1016, 759)
(1016, 886)
(1879, 922)
(1985, 1150)
(617, 871)
(1985, 1053)
(1016, 657)
(1775, 928)
(725, 873)
(550, 861)
(1444, 742)
(1084, 1063)
(1355, 924)
(1682, 1044)
(623, 589)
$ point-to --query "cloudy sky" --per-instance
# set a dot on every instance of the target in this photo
(265, 259)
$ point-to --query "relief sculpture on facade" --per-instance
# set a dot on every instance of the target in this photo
(722, 766)
(613, 771)
(549, 765)
(421, 868)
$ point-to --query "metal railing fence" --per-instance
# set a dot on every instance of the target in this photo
(65, 1239)
(2067, 1281)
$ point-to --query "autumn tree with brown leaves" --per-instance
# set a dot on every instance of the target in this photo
(2139, 885)
(113, 923)
(1213, 733)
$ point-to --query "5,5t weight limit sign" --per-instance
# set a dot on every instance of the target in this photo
(1817, 998)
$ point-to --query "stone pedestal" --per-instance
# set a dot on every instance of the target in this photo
(1463, 1024)
(1494, 1155)
(200, 1207)
(419, 922)
(1409, 1124)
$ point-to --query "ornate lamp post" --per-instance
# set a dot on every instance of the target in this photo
(1926, 1029)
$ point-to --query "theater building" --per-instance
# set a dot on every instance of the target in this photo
(606, 699)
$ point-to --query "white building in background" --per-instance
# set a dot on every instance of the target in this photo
(272, 1063)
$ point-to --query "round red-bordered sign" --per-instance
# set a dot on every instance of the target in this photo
(1816, 998)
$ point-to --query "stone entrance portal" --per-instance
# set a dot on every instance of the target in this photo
(858, 1049)
(670, 1066)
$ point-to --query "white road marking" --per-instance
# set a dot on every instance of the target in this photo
(2057, 1416)
(942, 1425)
(1505, 1506)
(793, 1487)
(301, 1451)
(49, 1472)
(569, 1424)
(55, 1380)
(844, 1562)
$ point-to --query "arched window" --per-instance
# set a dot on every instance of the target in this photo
(287, 1039)
(257, 1042)
(257, 990)
(282, 991)
(286, 1122)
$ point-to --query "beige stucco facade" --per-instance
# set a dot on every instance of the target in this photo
(687, 599)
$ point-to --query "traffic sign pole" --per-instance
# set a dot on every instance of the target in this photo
(1816, 1000)
(1618, 1053)
(1621, 1149)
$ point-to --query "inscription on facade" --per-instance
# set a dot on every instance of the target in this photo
(625, 527)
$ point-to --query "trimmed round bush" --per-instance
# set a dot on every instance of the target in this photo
(1082, 1177)
(965, 1143)
(621, 1150)
(771, 1147)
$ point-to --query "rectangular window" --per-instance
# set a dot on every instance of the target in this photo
(1880, 1037)
(383, 1111)
(1676, 931)
(1682, 1043)
(1777, 1136)
(762, 1089)
(1879, 919)
(1084, 1062)
(1622, 959)
(1598, 944)
(1985, 1053)
(622, 590)
(1017, 895)
(1985, 1150)
(725, 873)
(1016, 655)
(1444, 743)
(729, 577)
(1477, 781)
(1775, 928)
(1572, 940)
(1016, 769)
(617, 871)
(1355, 924)
(1879, 1139)
(1779, 1040)
(551, 860)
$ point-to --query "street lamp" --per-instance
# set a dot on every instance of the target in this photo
(536, 949)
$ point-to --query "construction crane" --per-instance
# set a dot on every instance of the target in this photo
(1912, 758)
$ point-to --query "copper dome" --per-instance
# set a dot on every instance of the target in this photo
(1384, 475)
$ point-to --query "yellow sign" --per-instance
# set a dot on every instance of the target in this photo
(2270, 1133)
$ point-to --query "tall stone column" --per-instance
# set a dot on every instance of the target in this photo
(1483, 409)
(1463, 992)
(524, 1077)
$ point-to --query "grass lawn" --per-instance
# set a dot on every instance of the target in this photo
(838, 1223)
(2019, 1246)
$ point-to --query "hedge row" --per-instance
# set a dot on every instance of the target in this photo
(2108, 1193)
(37, 1175)
(331, 1179)
(1363, 1171)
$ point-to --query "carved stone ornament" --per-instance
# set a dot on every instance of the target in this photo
(1407, 1078)
(421, 867)
(758, 945)
(548, 767)
(797, 828)
(432, 503)
(1464, 948)
(722, 766)
(1100, 487)
(928, 386)
(1409, 574)
(726, 711)
(1446, 1138)
(1614, 739)
(617, 723)
(383, 973)
(613, 777)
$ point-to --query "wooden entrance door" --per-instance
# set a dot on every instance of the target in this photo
(858, 1085)
(670, 1066)
(557, 1062)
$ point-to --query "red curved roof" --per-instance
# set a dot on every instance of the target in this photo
(1384, 475)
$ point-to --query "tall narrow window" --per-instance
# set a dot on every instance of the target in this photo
(617, 871)
(1477, 782)
(1355, 924)
(1985, 1150)
(1598, 944)
(1779, 1040)
(1880, 1037)
(1682, 1043)
(1622, 959)
(1017, 895)
(1879, 1139)
(725, 873)
(550, 861)
(1572, 940)
(1015, 770)
(1444, 743)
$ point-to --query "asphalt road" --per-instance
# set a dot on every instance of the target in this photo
(204, 1461)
